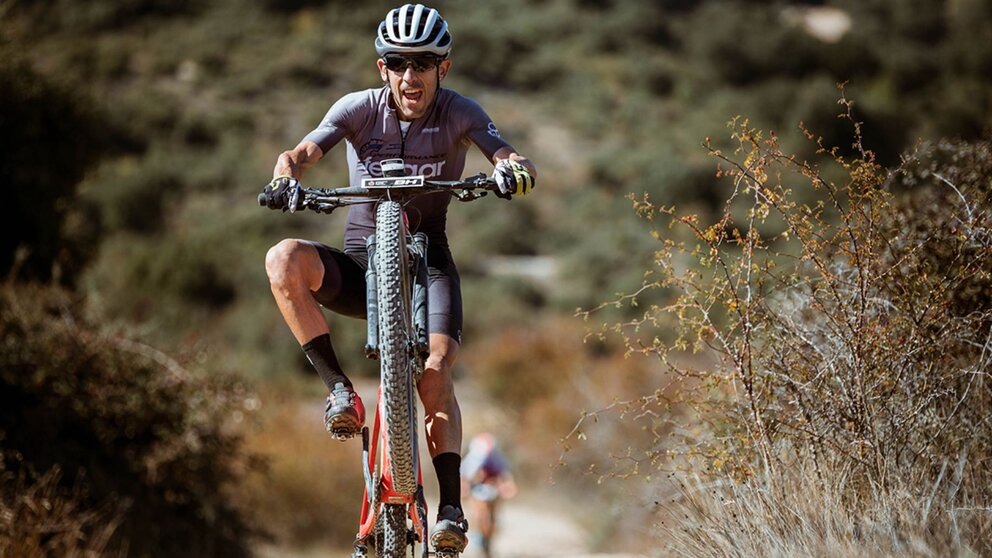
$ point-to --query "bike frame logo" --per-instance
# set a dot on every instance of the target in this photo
(427, 170)
(394, 182)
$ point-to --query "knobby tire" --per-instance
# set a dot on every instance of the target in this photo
(393, 531)
(395, 317)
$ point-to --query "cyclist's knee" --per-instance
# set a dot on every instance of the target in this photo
(441, 360)
(439, 363)
(436, 388)
(292, 262)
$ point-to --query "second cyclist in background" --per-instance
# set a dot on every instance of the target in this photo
(487, 475)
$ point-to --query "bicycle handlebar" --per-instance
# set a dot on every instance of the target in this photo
(324, 200)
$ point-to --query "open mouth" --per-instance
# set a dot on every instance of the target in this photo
(413, 96)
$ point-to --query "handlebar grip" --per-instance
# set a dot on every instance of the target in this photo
(261, 200)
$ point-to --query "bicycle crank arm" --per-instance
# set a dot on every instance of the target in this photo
(361, 551)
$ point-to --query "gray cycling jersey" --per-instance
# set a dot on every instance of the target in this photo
(434, 145)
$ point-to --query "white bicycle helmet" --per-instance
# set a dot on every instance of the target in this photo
(413, 29)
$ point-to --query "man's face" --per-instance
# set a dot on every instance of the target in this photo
(413, 80)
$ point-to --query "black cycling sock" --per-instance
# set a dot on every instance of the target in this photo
(322, 357)
(446, 465)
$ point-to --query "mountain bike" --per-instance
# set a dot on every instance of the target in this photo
(394, 512)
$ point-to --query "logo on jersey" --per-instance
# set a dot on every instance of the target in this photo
(492, 131)
(431, 130)
(373, 146)
(426, 170)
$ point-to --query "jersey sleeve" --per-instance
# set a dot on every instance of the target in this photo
(341, 120)
(479, 128)
(496, 464)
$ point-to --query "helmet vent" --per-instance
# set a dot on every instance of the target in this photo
(413, 28)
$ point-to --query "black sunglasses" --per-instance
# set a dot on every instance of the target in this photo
(419, 62)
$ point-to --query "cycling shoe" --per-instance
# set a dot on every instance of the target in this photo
(344, 413)
(448, 536)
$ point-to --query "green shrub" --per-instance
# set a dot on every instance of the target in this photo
(51, 15)
(51, 135)
(713, 34)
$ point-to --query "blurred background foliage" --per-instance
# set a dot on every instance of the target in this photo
(136, 134)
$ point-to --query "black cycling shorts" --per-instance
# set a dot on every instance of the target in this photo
(343, 288)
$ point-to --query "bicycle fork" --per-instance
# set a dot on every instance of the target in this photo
(379, 490)
(418, 257)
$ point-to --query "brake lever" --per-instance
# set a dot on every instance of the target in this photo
(294, 198)
(469, 195)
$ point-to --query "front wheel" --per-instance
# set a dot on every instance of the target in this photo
(394, 531)
(395, 317)
(394, 293)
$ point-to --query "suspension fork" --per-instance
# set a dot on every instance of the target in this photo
(418, 254)
(371, 302)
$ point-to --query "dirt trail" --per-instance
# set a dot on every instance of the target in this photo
(527, 531)
(528, 526)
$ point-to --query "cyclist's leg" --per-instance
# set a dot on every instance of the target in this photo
(482, 518)
(442, 415)
(301, 274)
(342, 290)
(487, 538)
(295, 270)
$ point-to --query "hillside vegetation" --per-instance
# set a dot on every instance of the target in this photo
(137, 134)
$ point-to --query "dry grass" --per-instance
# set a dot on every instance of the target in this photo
(795, 514)
(38, 518)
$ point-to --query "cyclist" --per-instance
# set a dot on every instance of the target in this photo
(413, 118)
(489, 480)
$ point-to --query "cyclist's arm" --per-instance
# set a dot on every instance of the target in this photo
(480, 130)
(297, 160)
(509, 153)
(343, 117)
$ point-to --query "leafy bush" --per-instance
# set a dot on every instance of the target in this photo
(778, 50)
(52, 135)
(49, 15)
(125, 423)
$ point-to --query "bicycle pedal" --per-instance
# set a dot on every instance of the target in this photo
(342, 434)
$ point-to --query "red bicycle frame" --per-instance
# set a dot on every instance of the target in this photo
(384, 484)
